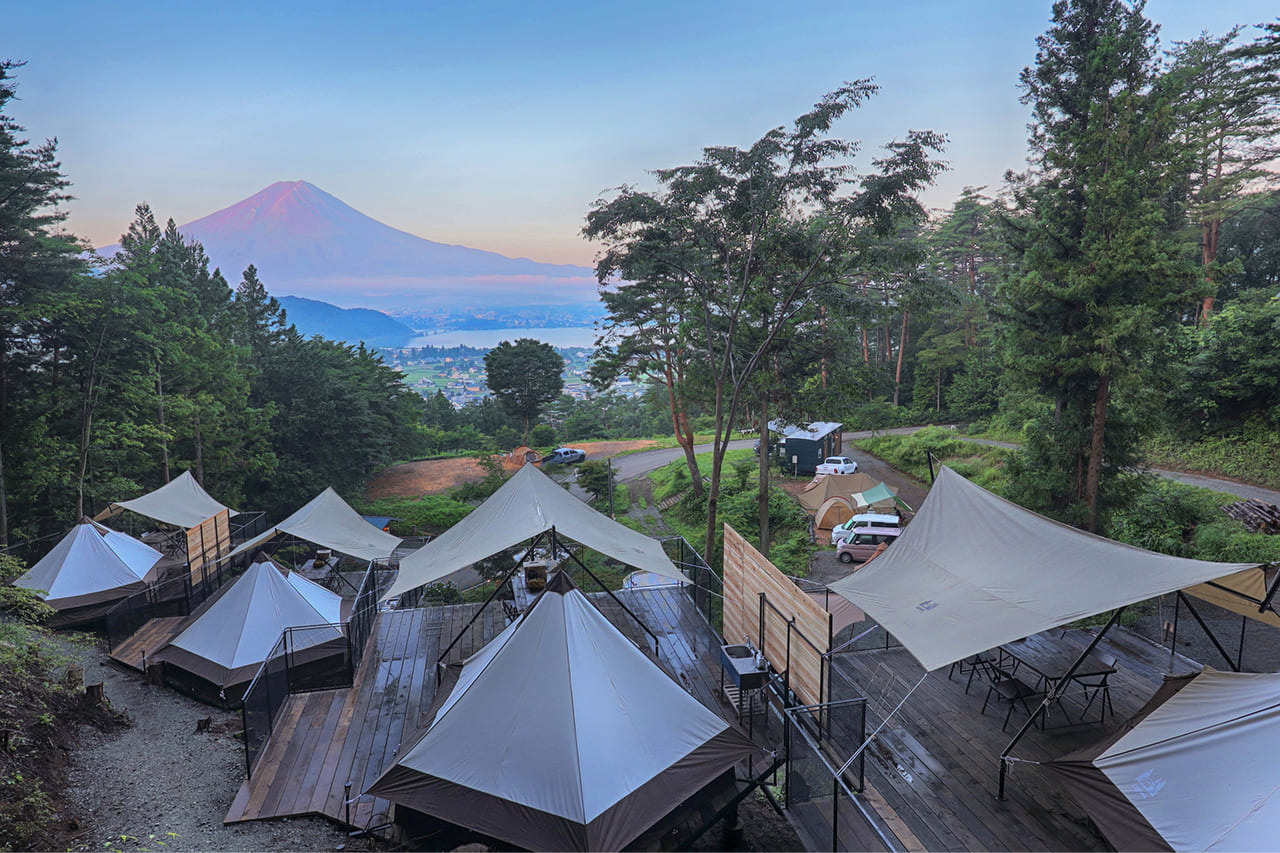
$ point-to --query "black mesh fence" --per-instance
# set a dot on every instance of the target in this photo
(318, 657)
(262, 702)
(823, 773)
(174, 597)
(706, 588)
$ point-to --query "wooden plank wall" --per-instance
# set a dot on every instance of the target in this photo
(208, 541)
(747, 574)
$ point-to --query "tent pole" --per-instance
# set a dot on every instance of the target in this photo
(1054, 696)
(1275, 585)
(1209, 632)
(616, 600)
(496, 589)
(929, 455)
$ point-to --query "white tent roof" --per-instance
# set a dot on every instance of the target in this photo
(326, 602)
(1200, 769)
(560, 734)
(180, 502)
(228, 641)
(974, 571)
(329, 521)
(528, 504)
(90, 565)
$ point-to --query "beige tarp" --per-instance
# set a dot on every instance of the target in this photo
(826, 486)
(528, 504)
(328, 521)
(560, 734)
(1242, 594)
(974, 571)
(180, 502)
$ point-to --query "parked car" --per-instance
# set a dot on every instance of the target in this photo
(863, 543)
(564, 455)
(838, 465)
(845, 529)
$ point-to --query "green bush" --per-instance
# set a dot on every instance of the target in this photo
(542, 435)
(432, 514)
(22, 604)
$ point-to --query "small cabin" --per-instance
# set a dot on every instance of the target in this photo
(804, 447)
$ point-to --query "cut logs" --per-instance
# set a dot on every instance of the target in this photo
(1258, 516)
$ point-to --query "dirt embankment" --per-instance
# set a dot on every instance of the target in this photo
(432, 476)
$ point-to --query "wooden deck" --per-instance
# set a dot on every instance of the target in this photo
(325, 740)
(933, 772)
(147, 639)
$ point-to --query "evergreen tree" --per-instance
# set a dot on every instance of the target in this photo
(524, 377)
(1102, 277)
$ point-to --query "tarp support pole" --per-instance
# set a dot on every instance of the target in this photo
(555, 543)
(1275, 586)
(1209, 632)
(1054, 696)
(496, 589)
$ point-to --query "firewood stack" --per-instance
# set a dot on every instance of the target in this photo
(1256, 515)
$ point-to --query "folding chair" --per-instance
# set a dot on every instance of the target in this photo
(1015, 692)
(982, 662)
(1096, 686)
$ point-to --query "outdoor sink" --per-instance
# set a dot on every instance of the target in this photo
(739, 662)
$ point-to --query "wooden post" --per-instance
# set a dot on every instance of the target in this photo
(93, 695)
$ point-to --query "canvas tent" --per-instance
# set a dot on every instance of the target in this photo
(834, 510)
(827, 486)
(330, 522)
(528, 504)
(1194, 771)
(879, 498)
(91, 565)
(181, 502)
(974, 571)
(561, 735)
(235, 631)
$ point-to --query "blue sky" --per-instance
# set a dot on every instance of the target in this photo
(496, 124)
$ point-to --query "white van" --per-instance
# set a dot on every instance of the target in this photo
(841, 532)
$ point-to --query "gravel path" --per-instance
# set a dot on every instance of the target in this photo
(160, 785)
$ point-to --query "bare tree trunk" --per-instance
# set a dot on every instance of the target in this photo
(680, 423)
(164, 442)
(199, 448)
(764, 481)
(902, 345)
(1093, 475)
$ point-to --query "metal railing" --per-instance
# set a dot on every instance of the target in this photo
(706, 588)
(174, 597)
(307, 659)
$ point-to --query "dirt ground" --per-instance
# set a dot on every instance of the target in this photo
(432, 476)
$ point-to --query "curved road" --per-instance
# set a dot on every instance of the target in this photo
(636, 464)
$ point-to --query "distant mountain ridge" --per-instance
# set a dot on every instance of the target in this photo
(349, 325)
(307, 243)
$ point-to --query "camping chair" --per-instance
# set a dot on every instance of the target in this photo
(1097, 685)
(982, 662)
(1015, 692)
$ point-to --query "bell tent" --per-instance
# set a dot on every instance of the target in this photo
(596, 745)
(92, 565)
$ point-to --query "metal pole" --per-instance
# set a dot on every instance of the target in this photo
(610, 462)
(1208, 632)
(929, 455)
(1058, 689)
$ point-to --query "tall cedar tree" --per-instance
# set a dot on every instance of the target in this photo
(39, 267)
(524, 376)
(743, 239)
(1103, 277)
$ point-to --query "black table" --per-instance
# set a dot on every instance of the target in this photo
(1050, 658)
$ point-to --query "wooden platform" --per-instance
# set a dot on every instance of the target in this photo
(932, 774)
(325, 740)
(147, 640)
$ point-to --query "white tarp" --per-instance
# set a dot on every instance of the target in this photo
(528, 504)
(229, 641)
(89, 565)
(560, 734)
(330, 522)
(974, 571)
(1200, 769)
(180, 502)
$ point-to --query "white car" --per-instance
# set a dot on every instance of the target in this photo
(846, 529)
(838, 465)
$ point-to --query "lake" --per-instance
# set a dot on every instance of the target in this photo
(572, 336)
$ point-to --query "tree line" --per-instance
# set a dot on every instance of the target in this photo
(118, 374)
(1124, 282)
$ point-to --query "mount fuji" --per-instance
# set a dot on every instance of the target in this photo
(307, 243)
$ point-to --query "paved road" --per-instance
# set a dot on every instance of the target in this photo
(634, 465)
